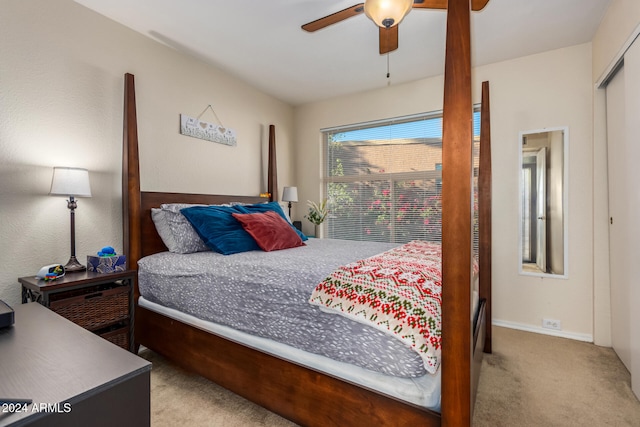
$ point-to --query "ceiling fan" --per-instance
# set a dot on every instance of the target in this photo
(387, 14)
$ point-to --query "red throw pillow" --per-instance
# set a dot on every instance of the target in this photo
(270, 231)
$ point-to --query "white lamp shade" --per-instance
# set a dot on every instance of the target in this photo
(70, 182)
(391, 11)
(290, 194)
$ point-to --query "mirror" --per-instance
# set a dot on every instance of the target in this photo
(543, 202)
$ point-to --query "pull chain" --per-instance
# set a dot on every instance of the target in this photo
(388, 73)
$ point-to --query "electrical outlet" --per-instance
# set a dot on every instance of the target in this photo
(552, 324)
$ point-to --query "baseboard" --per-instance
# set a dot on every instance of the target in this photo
(544, 331)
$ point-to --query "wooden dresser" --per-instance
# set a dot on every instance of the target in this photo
(72, 376)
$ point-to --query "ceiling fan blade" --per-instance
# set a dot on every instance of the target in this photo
(388, 39)
(334, 18)
(477, 5)
(442, 4)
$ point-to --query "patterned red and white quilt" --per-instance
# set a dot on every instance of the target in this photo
(398, 291)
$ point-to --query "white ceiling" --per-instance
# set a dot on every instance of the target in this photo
(261, 42)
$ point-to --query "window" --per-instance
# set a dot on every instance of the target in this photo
(383, 180)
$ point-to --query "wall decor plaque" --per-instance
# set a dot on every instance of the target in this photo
(196, 128)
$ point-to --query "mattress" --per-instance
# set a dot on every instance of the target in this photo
(261, 299)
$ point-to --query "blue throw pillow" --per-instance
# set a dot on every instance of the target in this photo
(219, 230)
(271, 206)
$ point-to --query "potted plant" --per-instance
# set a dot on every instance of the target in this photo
(317, 213)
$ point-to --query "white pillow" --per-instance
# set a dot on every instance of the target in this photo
(163, 229)
(175, 230)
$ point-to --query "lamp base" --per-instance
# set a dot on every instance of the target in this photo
(74, 265)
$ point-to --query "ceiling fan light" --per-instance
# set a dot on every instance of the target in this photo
(387, 13)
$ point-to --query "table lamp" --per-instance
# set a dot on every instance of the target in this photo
(290, 194)
(71, 182)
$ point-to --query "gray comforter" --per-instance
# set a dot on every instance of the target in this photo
(266, 294)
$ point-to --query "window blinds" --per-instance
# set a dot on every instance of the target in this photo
(383, 180)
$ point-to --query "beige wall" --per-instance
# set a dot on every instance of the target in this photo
(545, 90)
(61, 95)
(619, 23)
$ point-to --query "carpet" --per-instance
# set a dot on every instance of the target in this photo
(540, 380)
(529, 380)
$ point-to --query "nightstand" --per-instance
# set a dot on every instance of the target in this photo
(101, 303)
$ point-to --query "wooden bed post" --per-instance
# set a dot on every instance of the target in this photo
(272, 174)
(131, 239)
(484, 211)
(457, 134)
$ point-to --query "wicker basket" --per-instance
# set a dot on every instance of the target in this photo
(95, 307)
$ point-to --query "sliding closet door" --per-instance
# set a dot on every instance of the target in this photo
(623, 139)
(632, 115)
(618, 219)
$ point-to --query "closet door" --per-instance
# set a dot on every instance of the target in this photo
(623, 139)
(632, 115)
(618, 187)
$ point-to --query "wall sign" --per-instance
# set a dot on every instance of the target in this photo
(194, 127)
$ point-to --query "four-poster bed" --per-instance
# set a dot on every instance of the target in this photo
(307, 396)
